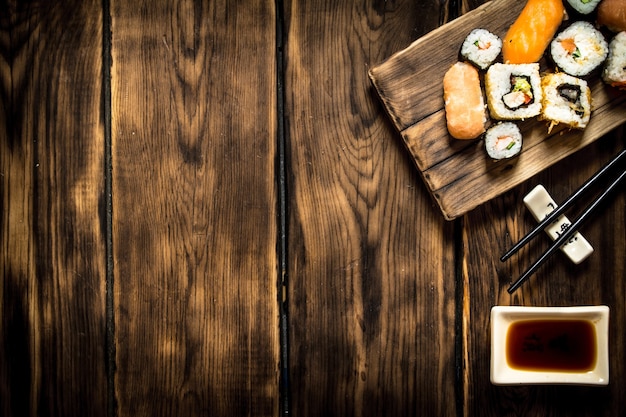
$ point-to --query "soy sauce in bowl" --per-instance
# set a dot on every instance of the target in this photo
(551, 345)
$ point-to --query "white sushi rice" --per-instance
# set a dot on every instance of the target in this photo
(498, 88)
(481, 48)
(503, 140)
(591, 49)
(614, 72)
(583, 6)
(566, 100)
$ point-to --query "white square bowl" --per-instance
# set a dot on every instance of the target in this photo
(503, 374)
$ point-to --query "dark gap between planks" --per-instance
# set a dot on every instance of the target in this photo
(107, 62)
(282, 278)
(453, 9)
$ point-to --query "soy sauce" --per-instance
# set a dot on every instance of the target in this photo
(551, 345)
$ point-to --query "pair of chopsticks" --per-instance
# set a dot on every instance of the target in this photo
(617, 161)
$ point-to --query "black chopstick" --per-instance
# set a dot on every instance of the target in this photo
(567, 234)
(563, 206)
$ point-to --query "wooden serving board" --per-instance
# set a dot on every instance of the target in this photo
(458, 173)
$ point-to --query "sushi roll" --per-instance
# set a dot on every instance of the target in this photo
(579, 49)
(584, 7)
(503, 140)
(513, 91)
(567, 100)
(481, 48)
(614, 72)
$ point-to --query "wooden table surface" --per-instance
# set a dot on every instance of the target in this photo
(206, 211)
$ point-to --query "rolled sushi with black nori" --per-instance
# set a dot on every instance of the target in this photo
(481, 48)
(503, 141)
(583, 6)
(614, 72)
(579, 49)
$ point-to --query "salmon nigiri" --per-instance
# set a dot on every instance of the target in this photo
(530, 35)
(464, 105)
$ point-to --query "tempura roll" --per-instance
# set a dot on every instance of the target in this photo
(513, 91)
(566, 100)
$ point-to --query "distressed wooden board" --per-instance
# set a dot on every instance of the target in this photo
(193, 88)
(53, 360)
(371, 289)
(459, 174)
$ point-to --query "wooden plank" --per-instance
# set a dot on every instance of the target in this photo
(371, 271)
(493, 228)
(459, 174)
(52, 258)
(194, 132)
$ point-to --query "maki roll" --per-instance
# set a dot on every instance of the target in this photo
(614, 72)
(481, 48)
(579, 49)
(503, 140)
(583, 6)
(567, 100)
(513, 91)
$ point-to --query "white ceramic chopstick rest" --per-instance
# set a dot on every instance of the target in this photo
(540, 204)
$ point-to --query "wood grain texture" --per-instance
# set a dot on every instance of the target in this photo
(494, 227)
(388, 302)
(195, 233)
(598, 280)
(371, 268)
(52, 259)
(459, 174)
